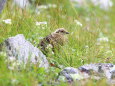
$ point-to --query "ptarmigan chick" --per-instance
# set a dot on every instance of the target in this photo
(54, 40)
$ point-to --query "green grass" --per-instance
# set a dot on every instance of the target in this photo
(74, 53)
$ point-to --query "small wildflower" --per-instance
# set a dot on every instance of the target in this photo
(16, 64)
(48, 16)
(109, 53)
(10, 68)
(63, 16)
(86, 46)
(72, 33)
(62, 78)
(47, 6)
(14, 81)
(87, 19)
(12, 59)
(38, 12)
(110, 3)
(78, 23)
(41, 23)
(40, 38)
(43, 28)
(42, 7)
(52, 5)
(73, 50)
(52, 52)
(103, 39)
(49, 46)
(7, 21)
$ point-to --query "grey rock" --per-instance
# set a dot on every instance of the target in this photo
(67, 71)
(93, 71)
(19, 49)
(22, 3)
(2, 3)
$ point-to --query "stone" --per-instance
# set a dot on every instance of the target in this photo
(22, 3)
(89, 71)
(2, 3)
(19, 49)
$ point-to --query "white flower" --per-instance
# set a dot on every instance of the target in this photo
(52, 5)
(42, 7)
(40, 37)
(86, 46)
(73, 50)
(87, 19)
(52, 52)
(103, 39)
(12, 59)
(62, 78)
(41, 23)
(37, 12)
(49, 46)
(14, 81)
(7, 21)
(10, 68)
(48, 16)
(47, 6)
(78, 23)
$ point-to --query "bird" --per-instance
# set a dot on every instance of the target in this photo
(54, 40)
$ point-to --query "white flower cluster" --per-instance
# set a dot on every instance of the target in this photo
(78, 23)
(49, 46)
(7, 21)
(41, 23)
(103, 39)
(47, 6)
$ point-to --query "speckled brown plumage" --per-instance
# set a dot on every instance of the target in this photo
(55, 39)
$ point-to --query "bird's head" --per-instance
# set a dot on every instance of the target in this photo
(61, 31)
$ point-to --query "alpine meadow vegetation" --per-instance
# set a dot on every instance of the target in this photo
(91, 39)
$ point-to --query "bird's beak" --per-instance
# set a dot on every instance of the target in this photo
(67, 32)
